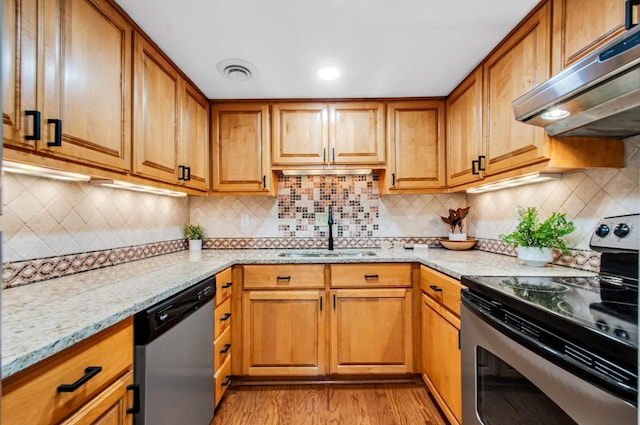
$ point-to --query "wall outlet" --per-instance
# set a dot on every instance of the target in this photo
(244, 220)
(322, 219)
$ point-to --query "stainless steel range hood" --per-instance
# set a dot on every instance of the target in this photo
(596, 97)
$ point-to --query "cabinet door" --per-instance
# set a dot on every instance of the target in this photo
(107, 408)
(464, 130)
(240, 134)
(19, 68)
(300, 134)
(356, 133)
(194, 142)
(155, 123)
(87, 82)
(415, 134)
(283, 333)
(441, 363)
(582, 26)
(371, 331)
(519, 64)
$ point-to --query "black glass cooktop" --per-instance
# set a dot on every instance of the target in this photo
(589, 308)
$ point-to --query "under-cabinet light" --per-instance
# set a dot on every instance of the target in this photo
(514, 182)
(327, 172)
(37, 171)
(116, 184)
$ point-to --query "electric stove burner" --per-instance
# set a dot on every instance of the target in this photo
(533, 286)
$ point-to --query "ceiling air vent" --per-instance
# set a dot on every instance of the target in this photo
(236, 69)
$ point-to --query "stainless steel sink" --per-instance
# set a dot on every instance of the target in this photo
(326, 254)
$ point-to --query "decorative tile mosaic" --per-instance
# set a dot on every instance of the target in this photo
(31, 271)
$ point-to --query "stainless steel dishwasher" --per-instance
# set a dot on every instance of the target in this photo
(173, 358)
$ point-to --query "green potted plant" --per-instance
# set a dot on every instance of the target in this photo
(195, 234)
(455, 220)
(536, 240)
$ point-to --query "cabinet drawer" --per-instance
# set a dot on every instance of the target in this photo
(374, 274)
(222, 348)
(442, 288)
(284, 276)
(223, 282)
(222, 380)
(32, 396)
(222, 318)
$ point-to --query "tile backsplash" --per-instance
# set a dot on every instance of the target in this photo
(45, 218)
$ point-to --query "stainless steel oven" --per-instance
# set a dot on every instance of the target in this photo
(555, 351)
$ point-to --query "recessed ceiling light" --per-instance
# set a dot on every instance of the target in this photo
(328, 73)
(236, 69)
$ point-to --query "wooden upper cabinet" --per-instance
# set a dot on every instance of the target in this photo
(344, 133)
(193, 162)
(156, 113)
(356, 133)
(518, 65)
(464, 131)
(415, 138)
(84, 68)
(20, 61)
(240, 140)
(581, 26)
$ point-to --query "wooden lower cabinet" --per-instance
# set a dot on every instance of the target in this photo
(441, 365)
(283, 332)
(32, 397)
(371, 331)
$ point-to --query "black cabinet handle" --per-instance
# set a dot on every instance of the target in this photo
(226, 349)
(181, 172)
(334, 301)
(264, 182)
(35, 132)
(89, 373)
(393, 179)
(225, 317)
(370, 276)
(435, 288)
(185, 173)
(475, 167)
(321, 303)
(136, 399)
(333, 154)
(227, 381)
(58, 132)
(227, 285)
(324, 154)
(481, 159)
(628, 13)
(187, 176)
(283, 278)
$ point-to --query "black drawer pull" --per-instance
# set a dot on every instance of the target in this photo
(481, 166)
(225, 317)
(35, 134)
(226, 349)
(89, 373)
(58, 132)
(283, 278)
(227, 381)
(227, 285)
(136, 399)
(475, 166)
(435, 288)
(370, 276)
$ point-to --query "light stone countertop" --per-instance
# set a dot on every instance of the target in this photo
(41, 319)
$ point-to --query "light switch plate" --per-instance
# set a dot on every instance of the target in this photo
(321, 219)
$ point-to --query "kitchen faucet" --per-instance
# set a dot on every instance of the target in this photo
(330, 223)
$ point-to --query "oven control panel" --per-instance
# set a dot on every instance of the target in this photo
(619, 232)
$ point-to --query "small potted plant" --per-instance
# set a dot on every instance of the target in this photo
(535, 240)
(195, 234)
(455, 220)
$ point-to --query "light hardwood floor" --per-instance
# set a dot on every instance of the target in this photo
(329, 404)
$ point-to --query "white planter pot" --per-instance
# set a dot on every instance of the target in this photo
(195, 245)
(457, 236)
(535, 257)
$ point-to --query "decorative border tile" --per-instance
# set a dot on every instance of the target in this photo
(31, 271)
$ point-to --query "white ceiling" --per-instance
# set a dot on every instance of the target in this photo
(392, 48)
